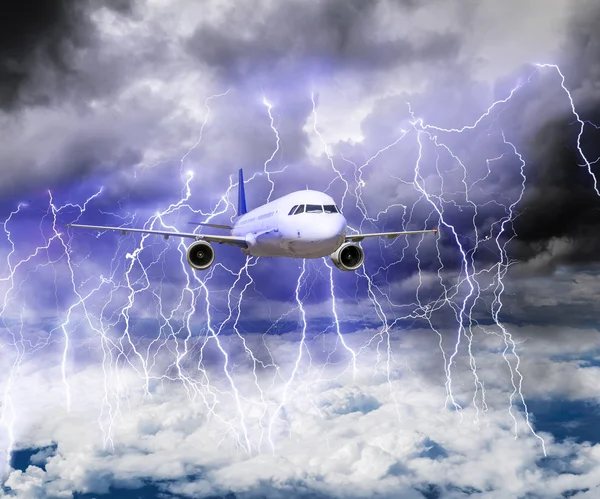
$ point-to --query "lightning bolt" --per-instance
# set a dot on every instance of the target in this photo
(199, 334)
(277, 139)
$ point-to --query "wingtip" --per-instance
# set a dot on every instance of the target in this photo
(435, 231)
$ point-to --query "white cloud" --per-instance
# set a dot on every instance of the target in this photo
(340, 433)
(29, 484)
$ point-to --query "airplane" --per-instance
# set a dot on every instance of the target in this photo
(302, 224)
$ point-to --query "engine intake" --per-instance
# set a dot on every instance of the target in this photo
(348, 257)
(200, 255)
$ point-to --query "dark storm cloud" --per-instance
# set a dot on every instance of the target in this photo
(312, 40)
(559, 217)
(55, 150)
(561, 203)
(288, 43)
(66, 119)
(37, 38)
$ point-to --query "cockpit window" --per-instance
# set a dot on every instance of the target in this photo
(314, 208)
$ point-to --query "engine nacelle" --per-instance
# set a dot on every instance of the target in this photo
(348, 257)
(200, 255)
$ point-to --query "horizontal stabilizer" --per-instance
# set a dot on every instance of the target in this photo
(214, 226)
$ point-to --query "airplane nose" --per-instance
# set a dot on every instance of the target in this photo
(339, 224)
(317, 235)
(329, 229)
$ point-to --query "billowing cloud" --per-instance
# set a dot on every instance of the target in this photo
(316, 40)
(341, 433)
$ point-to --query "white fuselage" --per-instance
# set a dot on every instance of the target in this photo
(303, 224)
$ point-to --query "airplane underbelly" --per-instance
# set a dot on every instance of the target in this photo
(302, 248)
(315, 236)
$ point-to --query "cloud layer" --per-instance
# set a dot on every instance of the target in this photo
(341, 433)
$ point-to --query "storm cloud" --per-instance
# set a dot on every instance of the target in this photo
(41, 44)
(317, 39)
(559, 215)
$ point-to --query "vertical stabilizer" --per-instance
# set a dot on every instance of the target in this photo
(241, 208)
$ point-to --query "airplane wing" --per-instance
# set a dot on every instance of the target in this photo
(390, 235)
(234, 241)
(215, 226)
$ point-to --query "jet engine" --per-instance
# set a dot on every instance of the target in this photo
(200, 255)
(348, 257)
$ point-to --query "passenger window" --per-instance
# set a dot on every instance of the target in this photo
(314, 208)
(300, 209)
(292, 210)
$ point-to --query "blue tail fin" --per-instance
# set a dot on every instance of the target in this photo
(241, 196)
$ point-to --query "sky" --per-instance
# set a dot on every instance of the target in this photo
(464, 365)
